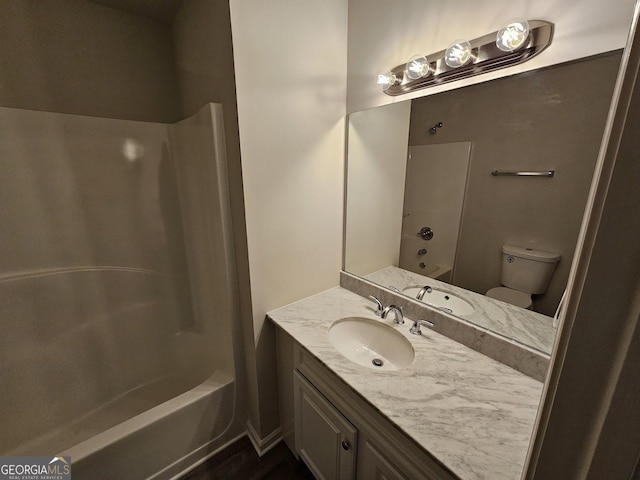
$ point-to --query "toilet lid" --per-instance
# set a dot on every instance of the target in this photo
(509, 295)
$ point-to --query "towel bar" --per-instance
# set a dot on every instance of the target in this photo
(546, 173)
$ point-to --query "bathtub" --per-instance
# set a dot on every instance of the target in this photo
(163, 441)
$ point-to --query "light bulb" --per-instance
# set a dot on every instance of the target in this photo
(513, 35)
(386, 79)
(417, 67)
(458, 54)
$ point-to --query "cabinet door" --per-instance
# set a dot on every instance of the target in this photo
(325, 439)
(374, 465)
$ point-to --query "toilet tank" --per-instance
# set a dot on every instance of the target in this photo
(526, 269)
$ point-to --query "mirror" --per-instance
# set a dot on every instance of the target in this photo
(423, 208)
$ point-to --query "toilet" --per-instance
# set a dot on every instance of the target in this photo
(524, 272)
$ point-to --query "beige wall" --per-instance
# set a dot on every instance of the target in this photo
(290, 60)
(377, 161)
(384, 34)
(550, 119)
(75, 56)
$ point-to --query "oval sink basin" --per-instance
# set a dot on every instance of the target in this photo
(442, 300)
(371, 343)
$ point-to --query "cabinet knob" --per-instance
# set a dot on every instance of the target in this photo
(346, 445)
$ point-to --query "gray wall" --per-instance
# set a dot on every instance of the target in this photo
(547, 119)
(74, 56)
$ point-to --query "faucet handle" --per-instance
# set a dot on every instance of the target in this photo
(415, 329)
(379, 307)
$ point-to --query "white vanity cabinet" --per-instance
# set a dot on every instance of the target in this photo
(324, 438)
(336, 432)
(373, 464)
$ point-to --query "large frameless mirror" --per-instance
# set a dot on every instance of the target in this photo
(472, 199)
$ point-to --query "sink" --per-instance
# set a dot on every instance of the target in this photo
(371, 343)
(442, 300)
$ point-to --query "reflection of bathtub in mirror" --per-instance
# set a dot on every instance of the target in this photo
(523, 326)
(439, 272)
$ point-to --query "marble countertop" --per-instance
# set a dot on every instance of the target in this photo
(472, 413)
(530, 328)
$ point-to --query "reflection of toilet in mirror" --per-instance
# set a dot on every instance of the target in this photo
(524, 272)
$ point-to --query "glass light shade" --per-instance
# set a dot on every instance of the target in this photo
(513, 35)
(386, 79)
(458, 54)
(417, 67)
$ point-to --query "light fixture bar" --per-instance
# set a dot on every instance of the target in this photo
(487, 57)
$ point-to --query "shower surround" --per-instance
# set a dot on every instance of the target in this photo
(117, 291)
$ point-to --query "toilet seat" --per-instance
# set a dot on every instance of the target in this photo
(509, 295)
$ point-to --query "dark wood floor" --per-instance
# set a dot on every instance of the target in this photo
(241, 462)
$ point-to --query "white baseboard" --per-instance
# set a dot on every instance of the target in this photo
(263, 445)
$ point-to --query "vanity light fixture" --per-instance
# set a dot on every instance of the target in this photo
(458, 54)
(417, 67)
(386, 79)
(517, 42)
(513, 35)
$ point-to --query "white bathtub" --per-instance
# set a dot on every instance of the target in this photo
(163, 441)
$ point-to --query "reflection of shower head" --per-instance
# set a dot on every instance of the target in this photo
(434, 129)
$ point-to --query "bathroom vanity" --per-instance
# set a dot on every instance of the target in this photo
(451, 413)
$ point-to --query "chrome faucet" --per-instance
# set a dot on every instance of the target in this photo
(379, 307)
(423, 290)
(415, 329)
(399, 317)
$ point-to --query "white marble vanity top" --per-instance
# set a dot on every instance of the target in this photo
(472, 413)
(524, 326)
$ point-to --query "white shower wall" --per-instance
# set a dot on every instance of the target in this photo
(95, 275)
(433, 197)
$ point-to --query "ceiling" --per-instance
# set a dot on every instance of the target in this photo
(161, 11)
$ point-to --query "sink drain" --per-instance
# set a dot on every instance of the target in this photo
(377, 362)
